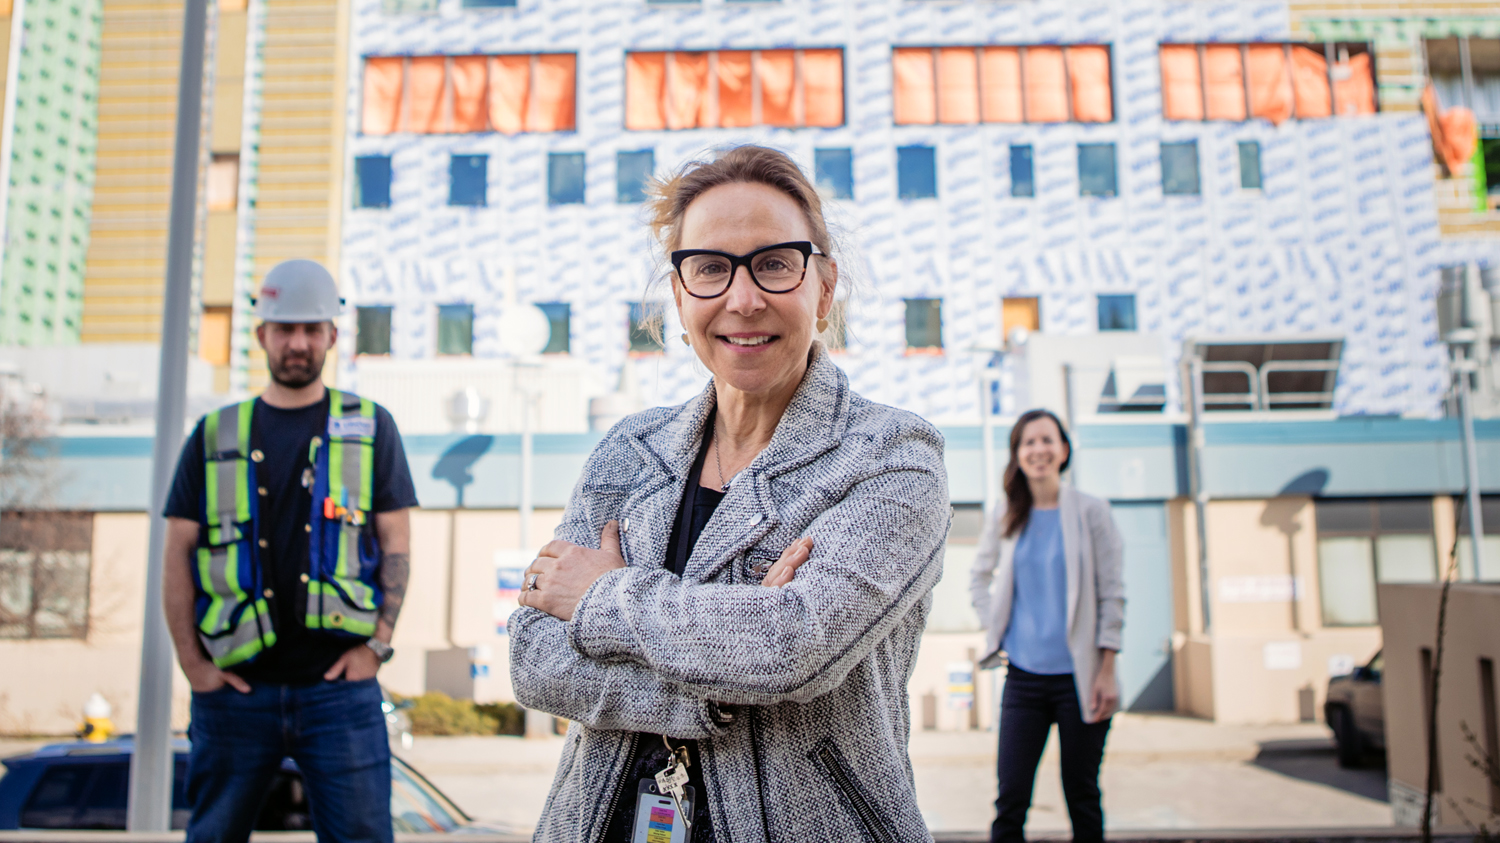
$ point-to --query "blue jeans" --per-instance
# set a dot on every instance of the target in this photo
(1029, 706)
(334, 731)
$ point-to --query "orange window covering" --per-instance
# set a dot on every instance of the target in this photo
(1224, 76)
(1046, 91)
(823, 87)
(1355, 93)
(382, 95)
(645, 74)
(1310, 81)
(687, 89)
(424, 111)
(1088, 70)
(510, 79)
(915, 87)
(468, 94)
(957, 85)
(1270, 93)
(1454, 131)
(778, 78)
(1181, 83)
(1000, 85)
(736, 106)
(553, 94)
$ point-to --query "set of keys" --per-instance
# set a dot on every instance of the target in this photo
(673, 780)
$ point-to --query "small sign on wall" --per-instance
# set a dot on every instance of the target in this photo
(1277, 588)
(510, 566)
(1283, 655)
(960, 685)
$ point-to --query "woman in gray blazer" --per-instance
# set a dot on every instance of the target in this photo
(1048, 585)
(695, 691)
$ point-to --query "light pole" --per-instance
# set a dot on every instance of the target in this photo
(1459, 320)
(151, 763)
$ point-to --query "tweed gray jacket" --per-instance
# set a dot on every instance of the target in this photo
(813, 674)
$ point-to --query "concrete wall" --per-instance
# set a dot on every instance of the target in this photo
(1265, 655)
(1410, 624)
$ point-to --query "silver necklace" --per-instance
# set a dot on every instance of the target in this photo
(717, 464)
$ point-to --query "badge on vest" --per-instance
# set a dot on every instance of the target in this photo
(351, 426)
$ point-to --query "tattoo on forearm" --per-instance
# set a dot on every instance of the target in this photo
(394, 570)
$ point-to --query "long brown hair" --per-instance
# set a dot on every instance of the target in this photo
(1018, 499)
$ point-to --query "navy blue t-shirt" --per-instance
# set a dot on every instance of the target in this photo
(284, 436)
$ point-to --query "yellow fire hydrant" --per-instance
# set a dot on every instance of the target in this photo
(96, 727)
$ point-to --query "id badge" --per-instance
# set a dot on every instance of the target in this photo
(656, 817)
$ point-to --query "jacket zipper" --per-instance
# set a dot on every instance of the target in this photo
(760, 784)
(843, 778)
(609, 815)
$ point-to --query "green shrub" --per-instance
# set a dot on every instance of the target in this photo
(436, 713)
(509, 717)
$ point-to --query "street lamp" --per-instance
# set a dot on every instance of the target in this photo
(1461, 318)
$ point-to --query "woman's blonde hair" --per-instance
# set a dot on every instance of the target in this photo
(749, 164)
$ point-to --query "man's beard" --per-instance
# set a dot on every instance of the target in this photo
(296, 372)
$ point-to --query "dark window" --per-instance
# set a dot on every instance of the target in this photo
(1179, 169)
(1022, 179)
(645, 325)
(1250, 165)
(633, 172)
(44, 574)
(104, 806)
(1096, 169)
(489, 4)
(559, 315)
(373, 332)
(455, 333)
(565, 178)
(1363, 542)
(1490, 149)
(924, 324)
(833, 170)
(1117, 312)
(916, 172)
(372, 181)
(468, 180)
(55, 799)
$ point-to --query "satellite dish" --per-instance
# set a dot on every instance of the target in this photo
(524, 330)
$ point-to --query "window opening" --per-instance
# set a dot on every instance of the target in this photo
(1117, 312)
(1022, 174)
(373, 329)
(1179, 169)
(924, 326)
(468, 180)
(916, 172)
(455, 333)
(372, 181)
(633, 173)
(1096, 169)
(559, 318)
(565, 185)
(833, 170)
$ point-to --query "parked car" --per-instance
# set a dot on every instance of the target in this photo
(85, 786)
(1355, 711)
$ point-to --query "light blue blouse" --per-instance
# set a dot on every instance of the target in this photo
(1037, 638)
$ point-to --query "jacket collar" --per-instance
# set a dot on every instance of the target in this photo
(813, 423)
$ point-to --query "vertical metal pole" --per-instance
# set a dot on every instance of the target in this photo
(7, 144)
(987, 436)
(1200, 496)
(151, 763)
(526, 452)
(1471, 465)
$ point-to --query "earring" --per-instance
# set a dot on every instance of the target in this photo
(822, 325)
(685, 340)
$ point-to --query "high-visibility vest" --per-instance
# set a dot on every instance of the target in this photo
(233, 606)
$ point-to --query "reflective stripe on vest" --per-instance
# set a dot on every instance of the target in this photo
(234, 621)
(341, 596)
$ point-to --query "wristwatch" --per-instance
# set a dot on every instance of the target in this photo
(382, 650)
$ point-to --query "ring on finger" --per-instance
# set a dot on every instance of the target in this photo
(531, 582)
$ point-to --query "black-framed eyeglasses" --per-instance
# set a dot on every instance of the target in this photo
(706, 274)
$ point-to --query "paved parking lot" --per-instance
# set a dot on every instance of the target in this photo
(1160, 773)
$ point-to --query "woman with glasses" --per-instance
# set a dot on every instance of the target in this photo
(732, 605)
(1048, 585)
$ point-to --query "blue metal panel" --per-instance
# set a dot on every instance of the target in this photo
(1145, 663)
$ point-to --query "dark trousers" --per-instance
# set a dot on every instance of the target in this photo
(1030, 704)
(335, 731)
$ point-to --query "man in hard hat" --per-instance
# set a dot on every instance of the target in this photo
(286, 565)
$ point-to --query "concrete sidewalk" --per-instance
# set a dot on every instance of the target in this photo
(1161, 773)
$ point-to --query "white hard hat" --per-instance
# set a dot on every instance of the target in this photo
(298, 291)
